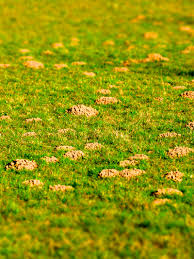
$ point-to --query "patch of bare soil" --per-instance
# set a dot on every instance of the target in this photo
(33, 120)
(126, 163)
(167, 191)
(60, 66)
(57, 45)
(179, 152)
(121, 69)
(89, 74)
(106, 173)
(20, 164)
(109, 43)
(74, 154)
(138, 157)
(93, 146)
(66, 148)
(33, 183)
(169, 135)
(179, 87)
(176, 176)
(103, 91)
(65, 131)
(107, 100)
(61, 188)
(190, 125)
(78, 63)
(5, 117)
(150, 35)
(24, 51)
(188, 94)
(131, 173)
(29, 134)
(51, 159)
(83, 110)
(48, 52)
(159, 202)
(33, 64)
(4, 65)
(152, 57)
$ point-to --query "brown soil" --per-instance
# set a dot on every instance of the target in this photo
(62, 188)
(179, 152)
(60, 66)
(74, 154)
(29, 134)
(33, 120)
(106, 100)
(20, 164)
(33, 64)
(169, 135)
(93, 146)
(83, 110)
(105, 173)
(121, 69)
(103, 91)
(51, 159)
(190, 125)
(130, 173)
(66, 148)
(176, 176)
(188, 94)
(167, 191)
(127, 163)
(33, 182)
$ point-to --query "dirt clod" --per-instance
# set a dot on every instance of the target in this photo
(190, 125)
(103, 91)
(167, 191)
(188, 94)
(179, 152)
(83, 110)
(62, 188)
(5, 117)
(126, 163)
(89, 74)
(106, 100)
(20, 164)
(176, 176)
(159, 202)
(74, 154)
(51, 159)
(105, 173)
(33, 183)
(33, 64)
(131, 173)
(93, 146)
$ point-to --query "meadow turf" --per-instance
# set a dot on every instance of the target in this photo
(100, 218)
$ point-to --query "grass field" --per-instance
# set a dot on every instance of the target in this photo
(112, 217)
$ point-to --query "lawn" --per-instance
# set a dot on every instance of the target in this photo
(59, 54)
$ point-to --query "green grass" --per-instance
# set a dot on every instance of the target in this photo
(101, 218)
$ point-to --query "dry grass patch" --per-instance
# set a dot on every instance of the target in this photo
(93, 146)
(74, 154)
(51, 159)
(89, 74)
(4, 65)
(188, 50)
(176, 176)
(74, 42)
(106, 173)
(21, 164)
(169, 135)
(121, 69)
(109, 43)
(126, 163)
(159, 202)
(179, 87)
(78, 63)
(167, 191)
(139, 157)
(57, 45)
(188, 94)
(48, 52)
(82, 110)
(5, 117)
(179, 152)
(24, 51)
(33, 64)
(33, 183)
(61, 188)
(107, 100)
(152, 57)
(65, 131)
